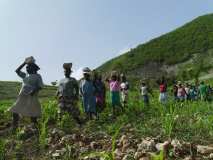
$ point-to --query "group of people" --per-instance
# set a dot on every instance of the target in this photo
(92, 91)
(180, 92)
(192, 92)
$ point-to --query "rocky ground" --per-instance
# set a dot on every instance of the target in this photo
(99, 145)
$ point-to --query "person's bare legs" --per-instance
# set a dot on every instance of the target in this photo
(15, 120)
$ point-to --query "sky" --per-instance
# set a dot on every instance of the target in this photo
(84, 32)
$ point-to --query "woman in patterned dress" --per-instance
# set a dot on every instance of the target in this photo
(27, 103)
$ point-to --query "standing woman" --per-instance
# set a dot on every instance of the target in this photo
(100, 92)
(145, 91)
(87, 91)
(27, 103)
(114, 85)
(163, 91)
(68, 95)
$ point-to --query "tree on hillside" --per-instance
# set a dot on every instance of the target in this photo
(199, 65)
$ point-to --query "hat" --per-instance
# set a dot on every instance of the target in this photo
(67, 65)
(30, 60)
(86, 70)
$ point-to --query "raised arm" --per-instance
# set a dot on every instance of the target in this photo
(18, 70)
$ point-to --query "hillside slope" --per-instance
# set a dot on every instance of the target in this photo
(169, 52)
(10, 90)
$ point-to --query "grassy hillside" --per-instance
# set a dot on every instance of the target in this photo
(194, 39)
(10, 90)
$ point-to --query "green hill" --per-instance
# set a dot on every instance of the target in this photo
(169, 53)
(10, 90)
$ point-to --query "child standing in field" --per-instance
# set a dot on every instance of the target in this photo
(144, 90)
(114, 85)
(87, 91)
(28, 103)
(124, 90)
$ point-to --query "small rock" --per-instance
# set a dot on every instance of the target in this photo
(138, 155)
(95, 145)
(49, 140)
(66, 139)
(75, 137)
(176, 144)
(162, 146)
(118, 154)
(128, 157)
(204, 149)
(57, 132)
(81, 144)
(211, 156)
(131, 130)
(55, 155)
(61, 151)
(56, 146)
(147, 145)
(145, 158)
(128, 125)
(188, 158)
(159, 146)
(131, 151)
(125, 146)
(121, 140)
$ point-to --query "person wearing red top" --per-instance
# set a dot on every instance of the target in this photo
(163, 91)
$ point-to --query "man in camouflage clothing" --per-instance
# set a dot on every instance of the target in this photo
(68, 94)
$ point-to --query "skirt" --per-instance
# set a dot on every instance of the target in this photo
(115, 98)
(27, 105)
(163, 97)
(89, 103)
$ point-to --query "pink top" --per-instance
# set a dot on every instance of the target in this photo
(114, 85)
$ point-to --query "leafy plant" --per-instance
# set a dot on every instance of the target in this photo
(2, 150)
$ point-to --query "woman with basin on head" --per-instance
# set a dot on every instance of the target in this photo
(28, 103)
(114, 85)
(68, 95)
(87, 91)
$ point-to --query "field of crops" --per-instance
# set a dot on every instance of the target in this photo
(186, 121)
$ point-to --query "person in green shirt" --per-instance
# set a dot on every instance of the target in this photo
(203, 91)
